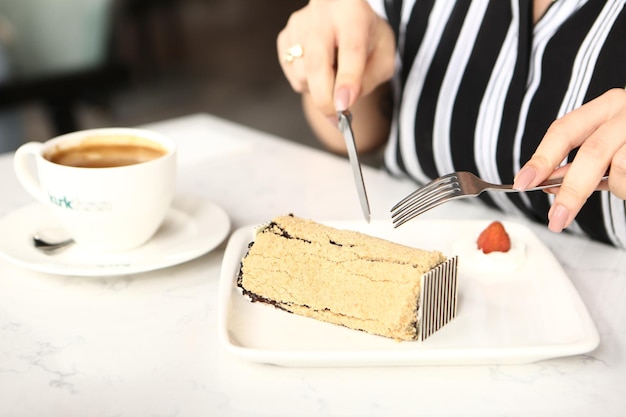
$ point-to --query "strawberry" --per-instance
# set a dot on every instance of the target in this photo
(494, 239)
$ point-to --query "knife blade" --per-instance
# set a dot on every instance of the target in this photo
(345, 126)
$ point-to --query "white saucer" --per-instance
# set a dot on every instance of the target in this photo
(192, 228)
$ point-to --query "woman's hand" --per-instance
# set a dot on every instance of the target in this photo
(347, 51)
(598, 128)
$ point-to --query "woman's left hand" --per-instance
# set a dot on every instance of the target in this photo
(598, 129)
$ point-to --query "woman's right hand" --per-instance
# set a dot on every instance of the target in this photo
(348, 51)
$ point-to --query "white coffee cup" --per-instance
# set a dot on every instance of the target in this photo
(102, 206)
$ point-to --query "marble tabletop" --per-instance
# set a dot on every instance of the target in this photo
(147, 344)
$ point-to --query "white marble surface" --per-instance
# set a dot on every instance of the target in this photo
(146, 344)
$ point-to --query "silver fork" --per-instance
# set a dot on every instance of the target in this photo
(450, 187)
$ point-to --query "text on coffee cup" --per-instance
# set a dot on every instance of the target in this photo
(80, 205)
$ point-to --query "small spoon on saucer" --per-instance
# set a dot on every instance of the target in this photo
(47, 247)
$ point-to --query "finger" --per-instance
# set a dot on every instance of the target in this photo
(325, 21)
(366, 56)
(352, 53)
(296, 76)
(561, 172)
(617, 175)
(590, 164)
(293, 68)
(320, 73)
(565, 134)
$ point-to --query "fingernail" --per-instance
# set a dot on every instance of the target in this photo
(524, 178)
(342, 99)
(558, 217)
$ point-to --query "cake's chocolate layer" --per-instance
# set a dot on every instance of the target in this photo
(339, 276)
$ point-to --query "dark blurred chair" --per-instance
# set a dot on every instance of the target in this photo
(61, 54)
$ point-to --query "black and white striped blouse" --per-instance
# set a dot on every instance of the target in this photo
(478, 84)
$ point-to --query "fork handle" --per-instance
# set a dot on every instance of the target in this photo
(556, 182)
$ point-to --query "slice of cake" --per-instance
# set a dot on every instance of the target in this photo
(351, 279)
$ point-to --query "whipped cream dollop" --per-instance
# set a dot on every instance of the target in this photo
(472, 257)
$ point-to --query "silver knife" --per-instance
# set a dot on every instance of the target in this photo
(345, 120)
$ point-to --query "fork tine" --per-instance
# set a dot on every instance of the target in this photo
(418, 209)
(424, 197)
(423, 190)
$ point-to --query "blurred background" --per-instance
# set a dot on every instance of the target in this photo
(77, 64)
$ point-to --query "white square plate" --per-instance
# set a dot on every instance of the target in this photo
(523, 315)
